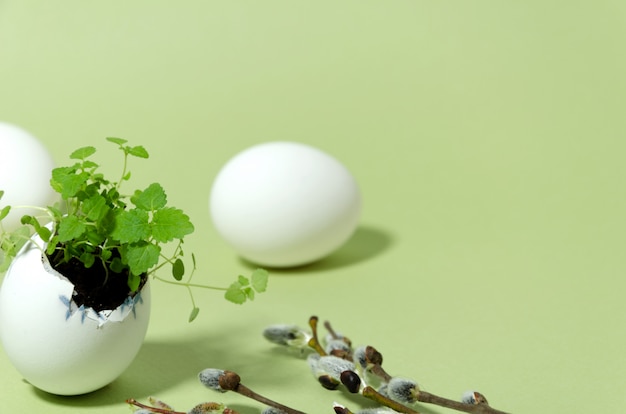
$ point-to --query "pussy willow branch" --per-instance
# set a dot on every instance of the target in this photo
(200, 408)
(231, 381)
(374, 395)
(375, 367)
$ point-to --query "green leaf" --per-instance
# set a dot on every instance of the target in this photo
(70, 228)
(44, 233)
(142, 256)
(87, 259)
(26, 219)
(100, 178)
(82, 153)
(150, 199)
(170, 223)
(242, 290)
(4, 212)
(89, 164)
(131, 226)
(235, 294)
(133, 282)
(243, 281)
(95, 238)
(1, 194)
(139, 151)
(194, 314)
(249, 293)
(52, 245)
(95, 207)
(116, 265)
(112, 195)
(66, 182)
(106, 254)
(118, 141)
(259, 280)
(88, 191)
(178, 269)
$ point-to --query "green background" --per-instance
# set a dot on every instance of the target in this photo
(488, 140)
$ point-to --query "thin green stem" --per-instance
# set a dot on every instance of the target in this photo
(106, 270)
(170, 260)
(32, 208)
(173, 282)
(29, 207)
(193, 302)
(119, 183)
(167, 260)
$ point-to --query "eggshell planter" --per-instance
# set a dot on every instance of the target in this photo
(57, 346)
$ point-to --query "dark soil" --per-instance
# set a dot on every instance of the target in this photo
(90, 288)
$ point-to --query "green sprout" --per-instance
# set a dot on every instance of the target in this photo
(126, 234)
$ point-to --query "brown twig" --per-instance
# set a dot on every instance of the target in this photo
(481, 408)
(335, 335)
(136, 403)
(230, 381)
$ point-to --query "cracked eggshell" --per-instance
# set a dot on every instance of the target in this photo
(284, 204)
(60, 348)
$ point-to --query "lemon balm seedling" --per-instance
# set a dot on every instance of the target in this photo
(84, 264)
(107, 242)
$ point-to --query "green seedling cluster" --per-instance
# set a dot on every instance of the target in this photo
(96, 222)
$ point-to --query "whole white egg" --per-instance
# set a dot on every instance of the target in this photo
(284, 204)
(25, 170)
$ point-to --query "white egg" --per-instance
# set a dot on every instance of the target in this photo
(25, 170)
(284, 204)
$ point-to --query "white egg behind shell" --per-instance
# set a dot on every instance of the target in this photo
(25, 170)
(284, 204)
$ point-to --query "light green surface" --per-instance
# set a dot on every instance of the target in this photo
(488, 139)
